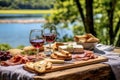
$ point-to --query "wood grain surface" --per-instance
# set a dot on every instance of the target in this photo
(77, 64)
(72, 64)
(89, 72)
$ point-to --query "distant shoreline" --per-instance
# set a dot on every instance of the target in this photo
(22, 21)
(27, 11)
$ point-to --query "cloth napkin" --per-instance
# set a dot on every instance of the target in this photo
(15, 73)
(114, 62)
(113, 58)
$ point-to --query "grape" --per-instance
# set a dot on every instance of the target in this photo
(5, 55)
(7, 52)
(4, 58)
(9, 56)
(1, 52)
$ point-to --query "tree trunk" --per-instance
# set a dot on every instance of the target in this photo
(78, 4)
(110, 13)
(116, 31)
(88, 21)
(118, 42)
(117, 27)
(89, 16)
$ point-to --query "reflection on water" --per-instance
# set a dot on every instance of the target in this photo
(17, 34)
(21, 15)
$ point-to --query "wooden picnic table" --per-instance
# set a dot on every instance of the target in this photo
(99, 71)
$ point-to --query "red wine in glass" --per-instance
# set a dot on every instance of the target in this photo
(37, 43)
(49, 37)
(36, 39)
(49, 34)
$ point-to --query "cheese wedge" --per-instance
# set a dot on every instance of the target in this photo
(55, 61)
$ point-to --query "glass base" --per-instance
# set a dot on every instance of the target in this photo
(48, 50)
(48, 53)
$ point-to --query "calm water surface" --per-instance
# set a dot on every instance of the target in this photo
(17, 34)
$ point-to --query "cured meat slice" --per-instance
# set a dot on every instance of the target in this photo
(17, 59)
(85, 56)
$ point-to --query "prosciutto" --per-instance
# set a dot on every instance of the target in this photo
(17, 59)
(85, 56)
(21, 59)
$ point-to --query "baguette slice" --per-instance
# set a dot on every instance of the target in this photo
(65, 52)
(49, 65)
(30, 65)
(40, 66)
(59, 54)
(54, 56)
(93, 40)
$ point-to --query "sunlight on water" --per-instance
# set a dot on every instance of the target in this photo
(17, 34)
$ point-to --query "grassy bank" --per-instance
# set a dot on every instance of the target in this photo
(26, 11)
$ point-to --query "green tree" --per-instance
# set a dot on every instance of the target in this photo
(110, 20)
(88, 19)
(97, 16)
(26, 4)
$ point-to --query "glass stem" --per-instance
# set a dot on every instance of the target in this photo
(50, 46)
(37, 54)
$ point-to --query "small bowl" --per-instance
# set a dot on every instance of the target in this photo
(88, 46)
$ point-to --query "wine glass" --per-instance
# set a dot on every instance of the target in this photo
(36, 39)
(49, 34)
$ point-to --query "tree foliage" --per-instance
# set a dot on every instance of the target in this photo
(109, 24)
(4, 47)
(105, 15)
(26, 4)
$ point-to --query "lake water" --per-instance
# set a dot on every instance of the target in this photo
(17, 34)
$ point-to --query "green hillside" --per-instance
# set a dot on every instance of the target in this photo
(26, 4)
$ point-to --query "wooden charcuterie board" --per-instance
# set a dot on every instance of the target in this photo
(77, 64)
(73, 63)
